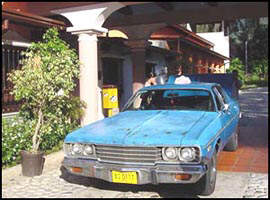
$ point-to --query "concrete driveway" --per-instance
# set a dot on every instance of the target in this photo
(252, 154)
(231, 183)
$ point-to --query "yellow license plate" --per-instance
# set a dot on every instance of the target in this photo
(124, 177)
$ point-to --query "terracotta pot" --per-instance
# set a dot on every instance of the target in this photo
(32, 163)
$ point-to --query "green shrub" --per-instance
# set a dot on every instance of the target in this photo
(260, 67)
(17, 135)
(45, 84)
(236, 64)
(254, 80)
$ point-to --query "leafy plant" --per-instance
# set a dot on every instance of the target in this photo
(236, 64)
(17, 133)
(252, 32)
(45, 83)
(16, 136)
(260, 67)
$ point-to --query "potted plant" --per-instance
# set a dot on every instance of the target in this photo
(44, 84)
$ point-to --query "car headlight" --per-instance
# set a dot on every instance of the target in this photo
(88, 150)
(187, 154)
(67, 149)
(169, 153)
(77, 149)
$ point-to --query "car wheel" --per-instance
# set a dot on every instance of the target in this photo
(207, 183)
(64, 173)
(232, 145)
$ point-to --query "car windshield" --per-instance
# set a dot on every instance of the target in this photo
(171, 99)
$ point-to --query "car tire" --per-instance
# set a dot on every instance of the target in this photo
(207, 183)
(232, 145)
(64, 173)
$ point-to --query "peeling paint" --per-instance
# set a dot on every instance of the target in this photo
(184, 133)
(141, 128)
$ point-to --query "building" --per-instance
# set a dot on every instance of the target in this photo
(149, 36)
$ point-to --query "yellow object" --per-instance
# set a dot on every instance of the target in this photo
(110, 112)
(117, 33)
(124, 177)
(110, 98)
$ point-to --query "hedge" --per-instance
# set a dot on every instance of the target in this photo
(17, 136)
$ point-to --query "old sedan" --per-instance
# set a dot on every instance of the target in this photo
(168, 133)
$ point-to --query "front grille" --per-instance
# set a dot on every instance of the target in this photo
(135, 155)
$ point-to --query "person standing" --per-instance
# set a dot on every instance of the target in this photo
(180, 78)
(151, 80)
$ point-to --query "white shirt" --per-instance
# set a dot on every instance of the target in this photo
(182, 80)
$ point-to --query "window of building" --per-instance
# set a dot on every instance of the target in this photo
(212, 27)
(11, 56)
(10, 61)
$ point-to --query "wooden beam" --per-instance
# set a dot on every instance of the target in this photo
(126, 10)
(18, 16)
(167, 6)
(194, 36)
(45, 8)
(214, 4)
(224, 11)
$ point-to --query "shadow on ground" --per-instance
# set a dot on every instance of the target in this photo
(163, 190)
(254, 123)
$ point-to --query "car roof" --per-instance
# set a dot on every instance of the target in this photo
(193, 85)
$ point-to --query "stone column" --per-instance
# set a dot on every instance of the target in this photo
(127, 80)
(138, 49)
(138, 36)
(88, 75)
(87, 23)
(138, 69)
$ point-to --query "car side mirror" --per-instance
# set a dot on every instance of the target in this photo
(226, 107)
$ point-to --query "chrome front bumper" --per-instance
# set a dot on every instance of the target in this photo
(159, 173)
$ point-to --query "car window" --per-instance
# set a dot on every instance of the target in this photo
(172, 99)
(221, 92)
(219, 99)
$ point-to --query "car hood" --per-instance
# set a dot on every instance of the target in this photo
(144, 128)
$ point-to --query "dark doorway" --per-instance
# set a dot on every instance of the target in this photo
(113, 73)
(149, 68)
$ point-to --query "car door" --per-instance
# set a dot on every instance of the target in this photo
(233, 112)
(226, 116)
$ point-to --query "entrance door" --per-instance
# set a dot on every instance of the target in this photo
(149, 68)
(112, 72)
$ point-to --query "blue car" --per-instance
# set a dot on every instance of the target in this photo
(168, 133)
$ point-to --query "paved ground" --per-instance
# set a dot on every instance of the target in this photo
(252, 154)
(229, 184)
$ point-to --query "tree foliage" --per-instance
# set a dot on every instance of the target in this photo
(236, 64)
(256, 35)
(258, 45)
(44, 84)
